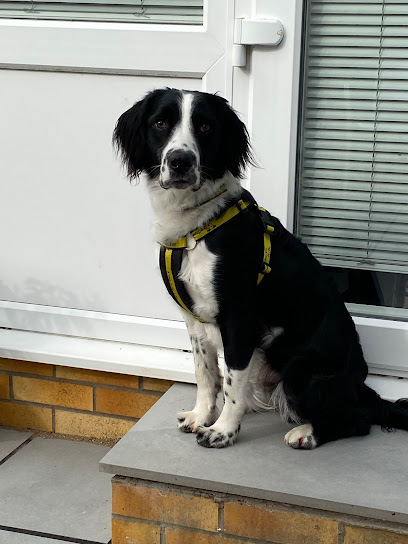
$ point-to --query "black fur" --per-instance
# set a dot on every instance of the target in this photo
(318, 357)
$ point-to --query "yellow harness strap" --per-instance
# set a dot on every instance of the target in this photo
(182, 298)
(197, 234)
(170, 260)
(269, 229)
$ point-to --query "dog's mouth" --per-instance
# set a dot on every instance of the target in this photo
(179, 184)
(189, 183)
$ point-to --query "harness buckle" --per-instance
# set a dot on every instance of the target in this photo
(267, 221)
(242, 206)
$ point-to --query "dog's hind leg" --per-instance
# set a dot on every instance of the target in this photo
(205, 411)
(330, 406)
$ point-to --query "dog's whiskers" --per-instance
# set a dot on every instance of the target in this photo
(155, 169)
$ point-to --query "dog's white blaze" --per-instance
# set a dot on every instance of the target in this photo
(183, 133)
(182, 137)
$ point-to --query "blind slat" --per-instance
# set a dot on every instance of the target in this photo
(346, 224)
(147, 11)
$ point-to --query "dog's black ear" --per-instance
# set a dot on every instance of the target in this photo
(129, 136)
(237, 148)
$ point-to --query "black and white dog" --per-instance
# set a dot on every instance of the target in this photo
(289, 342)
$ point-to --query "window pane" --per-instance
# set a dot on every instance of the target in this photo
(139, 11)
(353, 172)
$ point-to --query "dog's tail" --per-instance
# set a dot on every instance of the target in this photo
(390, 415)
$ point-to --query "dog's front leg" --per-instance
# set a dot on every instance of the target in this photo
(205, 411)
(225, 430)
(239, 357)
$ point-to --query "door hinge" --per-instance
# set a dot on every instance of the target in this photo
(254, 32)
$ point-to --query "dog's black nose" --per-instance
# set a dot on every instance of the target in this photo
(180, 161)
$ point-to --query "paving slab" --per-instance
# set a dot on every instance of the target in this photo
(8, 537)
(365, 476)
(53, 486)
(11, 440)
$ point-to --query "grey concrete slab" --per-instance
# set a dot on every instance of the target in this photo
(10, 440)
(8, 537)
(365, 476)
(54, 486)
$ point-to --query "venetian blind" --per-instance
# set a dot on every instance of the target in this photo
(353, 179)
(140, 11)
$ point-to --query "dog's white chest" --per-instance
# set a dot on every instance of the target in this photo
(197, 272)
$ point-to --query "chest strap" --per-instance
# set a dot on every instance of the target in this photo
(171, 254)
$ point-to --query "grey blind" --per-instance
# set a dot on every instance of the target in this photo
(140, 11)
(353, 183)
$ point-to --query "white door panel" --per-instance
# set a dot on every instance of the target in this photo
(82, 234)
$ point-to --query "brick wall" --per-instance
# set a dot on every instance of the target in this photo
(152, 513)
(73, 401)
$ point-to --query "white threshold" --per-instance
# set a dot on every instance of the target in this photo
(133, 359)
(92, 354)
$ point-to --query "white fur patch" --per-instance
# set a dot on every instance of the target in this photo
(269, 337)
(280, 403)
(197, 271)
(176, 211)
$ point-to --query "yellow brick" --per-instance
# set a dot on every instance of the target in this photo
(129, 532)
(90, 425)
(156, 385)
(361, 535)
(166, 507)
(278, 526)
(10, 365)
(4, 386)
(25, 416)
(94, 376)
(123, 403)
(184, 536)
(55, 393)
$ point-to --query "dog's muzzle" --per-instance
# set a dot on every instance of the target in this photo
(179, 169)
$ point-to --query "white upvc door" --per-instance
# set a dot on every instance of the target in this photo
(79, 280)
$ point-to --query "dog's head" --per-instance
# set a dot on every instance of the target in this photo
(181, 139)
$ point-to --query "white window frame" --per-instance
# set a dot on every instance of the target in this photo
(108, 48)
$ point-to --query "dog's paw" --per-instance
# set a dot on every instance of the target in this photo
(301, 437)
(189, 422)
(213, 437)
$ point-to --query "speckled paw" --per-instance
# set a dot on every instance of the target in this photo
(214, 438)
(189, 422)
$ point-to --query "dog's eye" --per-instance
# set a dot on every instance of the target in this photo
(205, 127)
(161, 124)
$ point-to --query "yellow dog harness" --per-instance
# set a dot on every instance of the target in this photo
(171, 254)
